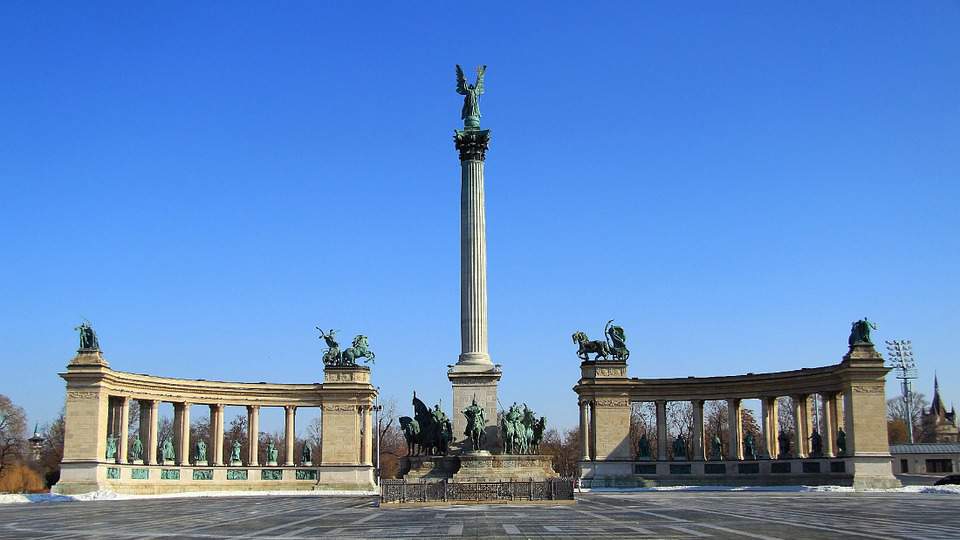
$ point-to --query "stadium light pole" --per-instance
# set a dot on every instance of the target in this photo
(901, 359)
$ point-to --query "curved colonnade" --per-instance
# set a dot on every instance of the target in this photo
(98, 410)
(852, 397)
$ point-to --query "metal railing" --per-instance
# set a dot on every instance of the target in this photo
(401, 491)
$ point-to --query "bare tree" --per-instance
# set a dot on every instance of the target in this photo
(52, 453)
(643, 420)
(236, 433)
(13, 429)
(785, 415)
(680, 422)
(897, 410)
(564, 450)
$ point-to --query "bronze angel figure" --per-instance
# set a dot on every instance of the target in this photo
(471, 97)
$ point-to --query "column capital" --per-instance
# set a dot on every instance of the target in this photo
(289, 408)
(253, 407)
(472, 143)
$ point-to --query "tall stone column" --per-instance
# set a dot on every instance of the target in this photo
(474, 376)
(800, 409)
(367, 435)
(662, 430)
(828, 421)
(253, 435)
(593, 430)
(216, 434)
(771, 427)
(289, 434)
(735, 431)
(181, 414)
(124, 433)
(584, 432)
(698, 453)
(151, 443)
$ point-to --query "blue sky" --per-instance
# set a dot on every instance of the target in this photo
(733, 184)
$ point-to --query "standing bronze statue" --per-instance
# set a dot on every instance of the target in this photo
(860, 332)
(88, 338)
(471, 97)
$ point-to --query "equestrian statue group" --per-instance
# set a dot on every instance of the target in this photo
(521, 431)
(429, 432)
(613, 348)
(333, 357)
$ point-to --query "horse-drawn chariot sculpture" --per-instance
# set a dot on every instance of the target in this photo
(614, 347)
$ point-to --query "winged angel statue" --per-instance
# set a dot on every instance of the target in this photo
(471, 97)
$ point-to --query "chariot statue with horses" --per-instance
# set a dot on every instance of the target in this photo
(333, 357)
(614, 347)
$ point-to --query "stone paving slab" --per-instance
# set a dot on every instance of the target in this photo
(608, 515)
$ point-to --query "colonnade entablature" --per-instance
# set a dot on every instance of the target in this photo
(851, 443)
(99, 453)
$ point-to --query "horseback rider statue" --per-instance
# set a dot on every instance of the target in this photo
(476, 424)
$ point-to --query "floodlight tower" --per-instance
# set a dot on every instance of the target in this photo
(901, 359)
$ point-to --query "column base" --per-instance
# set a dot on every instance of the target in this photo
(475, 382)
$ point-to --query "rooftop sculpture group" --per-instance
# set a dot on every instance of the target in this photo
(88, 338)
(333, 357)
(615, 345)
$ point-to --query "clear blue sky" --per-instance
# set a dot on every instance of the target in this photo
(734, 184)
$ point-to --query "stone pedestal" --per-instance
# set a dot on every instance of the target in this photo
(470, 383)
(478, 467)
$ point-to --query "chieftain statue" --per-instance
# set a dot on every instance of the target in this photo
(716, 449)
(749, 447)
(476, 424)
(306, 456)
(643, 447)
(136, 450)
(841, 442)
(816, 445)
(332, 357)
(614, 345)
(521, 430)
(166, 451)
(235, 453)
(860, 332)
(784, 439)
(112, 447)
(680, 448)
(88, 338)
(201, 455)
(272, 452)
(428, 432)
(471, 97)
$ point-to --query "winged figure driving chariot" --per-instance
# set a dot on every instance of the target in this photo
(614, 347)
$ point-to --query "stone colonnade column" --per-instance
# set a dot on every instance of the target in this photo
(828, 425)
(181, 423)
(735, 429)
(800, 413)
(661, 430)
(253, 435)
(148, 430)
(289, 434)
(698, 453)
(593, 430)
(367, 435)
(473, 248)
(834, 419)
(124, 431)
(771, 427)
(584, 432)
(216, 434)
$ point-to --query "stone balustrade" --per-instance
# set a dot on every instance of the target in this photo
(852, 399)
(98, 409)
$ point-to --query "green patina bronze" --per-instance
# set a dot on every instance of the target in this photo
(136, 449)
(860, 332)
(333, 357)
(816, 445)
(306, 474)
(166, 451)
(470, 114)
(476, 423)
(170, 474)
(271, 474)
(88, 338)
(615, 345)
(113, 473)
(271, 452)
(716, 449)
(139, 474)
(201, 452)
(112, 447)
(749, 448)
(203, 474)
(520, 430)
(643, 447)
(428, 432)
(306, 455)
(235, 452)
(784, 441)
(841, 442)
(680, 449)
(236, 474)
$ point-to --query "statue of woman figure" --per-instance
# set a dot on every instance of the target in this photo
(201, 451)
(136, 449)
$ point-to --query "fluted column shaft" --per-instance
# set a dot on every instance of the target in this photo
(181, 423)
(662, 430)
(216, 434)
(770, 427)
(253, 435)
(584, 432)
(151, 446)
(367, 435)
(800, 412)
(735, 431)
(828, 424)
(698, 453)
(473, 265)
(124, 430)
(289, 433)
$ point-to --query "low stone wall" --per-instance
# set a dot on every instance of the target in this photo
(135, 479)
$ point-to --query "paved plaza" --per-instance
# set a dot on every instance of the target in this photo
(610, 515)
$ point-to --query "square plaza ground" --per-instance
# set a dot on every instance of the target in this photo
(596, 515)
